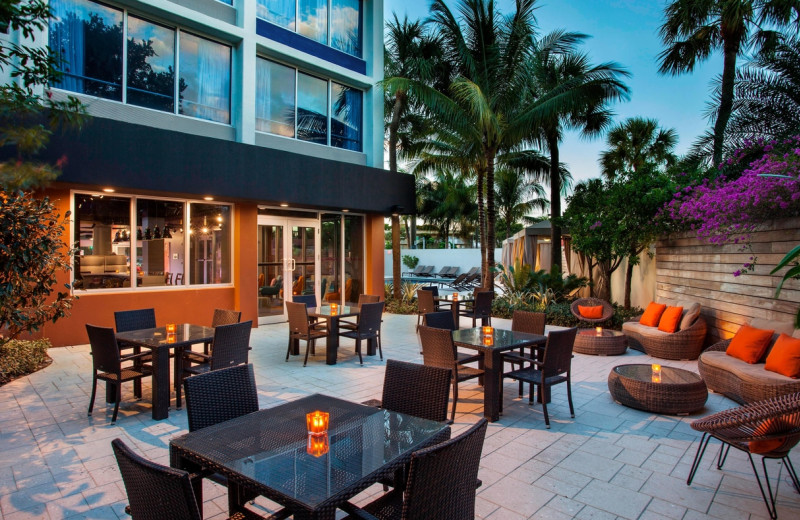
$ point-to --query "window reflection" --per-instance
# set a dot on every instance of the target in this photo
(275, 98)
(151, 65)
(312, 109)
(346, 117)
(346, 26)
(160, 239)
(353, 257)
(103, 241)
(210, 243)
(205, 69)
(313, 19)
(85, 39)
(279, 12)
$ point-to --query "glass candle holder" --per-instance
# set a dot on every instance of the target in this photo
(455, 296)
(599, 330)
(170, 328)
(656, 373)
(488, 341)
(487, 331)
(317, 422)
(334, 309)
(655, 378)
(318, 445)
(171, 338)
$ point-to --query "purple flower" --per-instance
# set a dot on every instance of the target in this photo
(596, 225)
(737, 273)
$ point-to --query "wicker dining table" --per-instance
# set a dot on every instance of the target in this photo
(268, 453)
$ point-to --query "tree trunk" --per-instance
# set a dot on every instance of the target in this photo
(481, 219)
(555, 203)
(488, 275)
(412, 235)
(628, 278)
(590, 275)
(731, 51)
(604, 282)
(399, 102)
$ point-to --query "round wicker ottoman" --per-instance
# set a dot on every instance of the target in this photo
(607, 343)
(679, 392)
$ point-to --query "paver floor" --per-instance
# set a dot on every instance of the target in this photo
(608, 462)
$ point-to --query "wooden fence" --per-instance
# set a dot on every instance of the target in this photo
(688, 269)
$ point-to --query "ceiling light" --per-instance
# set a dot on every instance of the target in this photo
(108, 190)
(284, 205)
(345, 211)
(208, 198)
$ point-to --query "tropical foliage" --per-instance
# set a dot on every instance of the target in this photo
(635, 145)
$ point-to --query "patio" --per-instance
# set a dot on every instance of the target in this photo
(608, 462)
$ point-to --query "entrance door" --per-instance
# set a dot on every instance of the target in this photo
(287, 263)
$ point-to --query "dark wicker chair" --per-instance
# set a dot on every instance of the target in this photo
(441, 483)
(774, 424)
(555, 368)
(413, 389)
(107, 364)
(222, 317)
(301, 329)
(481, 308)
(157, 492)
(230, 347)
(438, 350)
(608, 310)
(362, 299)
(425, 304)
(445, 320)
(125, 321)
(220, 395)
(368, 327)
(532, 323)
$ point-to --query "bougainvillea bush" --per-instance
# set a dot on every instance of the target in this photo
(727, 208)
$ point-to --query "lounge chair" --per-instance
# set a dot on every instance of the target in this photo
(428, 271)
(452, 273)
(416, 272)
(442, 272)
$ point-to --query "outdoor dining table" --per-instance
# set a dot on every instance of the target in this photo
(502, 340)
(455, 305)
(161, 344)
(269, 452)
(332, 341)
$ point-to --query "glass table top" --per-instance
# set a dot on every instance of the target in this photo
(606, 333)
(669, 375)
(341, 310)
(500, 339)
(184, 333)
(271, 447)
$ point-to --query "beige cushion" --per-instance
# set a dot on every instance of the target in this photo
(744, 370)
(691, 310)
(637, 328)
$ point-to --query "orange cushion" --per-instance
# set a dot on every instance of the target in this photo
(770, 426)
(749, 344)
(670, 319)
(652, 315)
(594, 312)
(784, 358)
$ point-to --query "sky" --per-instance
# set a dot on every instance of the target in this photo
(626, 32)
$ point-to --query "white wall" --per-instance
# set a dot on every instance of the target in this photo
(466, 259)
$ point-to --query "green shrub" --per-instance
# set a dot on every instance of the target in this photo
(410, 261)
(559, 313)
(20, 357)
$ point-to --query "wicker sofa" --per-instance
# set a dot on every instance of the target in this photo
(741, 381)
(686, 343)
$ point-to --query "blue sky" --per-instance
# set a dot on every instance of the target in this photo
(624, 31)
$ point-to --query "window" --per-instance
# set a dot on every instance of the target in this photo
(210, 243)
(310, 18)
(112, 253)
(275, 99)
(86, 42)
(345, 117)
(151, 65)
(307, 119)
(312, 109)
(205, 69)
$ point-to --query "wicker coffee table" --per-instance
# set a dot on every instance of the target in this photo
(680, 392)
(606, 343)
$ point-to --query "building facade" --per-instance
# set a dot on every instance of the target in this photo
(233, 157)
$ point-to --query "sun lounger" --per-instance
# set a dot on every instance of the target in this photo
(416, 272)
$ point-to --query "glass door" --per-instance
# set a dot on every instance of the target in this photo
(287, 263)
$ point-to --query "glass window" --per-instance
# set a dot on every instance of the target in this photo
(312, 109)
(346, 26)
(274, 98)
(151, 65)
(346, 117)
(313, 20)
(279, 12)
(160, 239)
(103, 242)
(353, 257)
(205, 78)
(210, 243)
(85, 39)
(331, 257)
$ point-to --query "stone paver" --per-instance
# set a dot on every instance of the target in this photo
(608, 462)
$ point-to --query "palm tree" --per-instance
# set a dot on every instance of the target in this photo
(478, 115)
(409, 53)
(637, 143)
(693, 29)
(446, 200)
(571, 94)
(517, 195)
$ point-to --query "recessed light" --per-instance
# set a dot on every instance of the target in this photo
(284, 205)
(108, 190)
(345, 211)
(208, 198)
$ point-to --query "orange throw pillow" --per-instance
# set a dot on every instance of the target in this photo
(784, 358)
(594, 312)
(652, 315)
(770, 426)
(670, 319)
(749, 344)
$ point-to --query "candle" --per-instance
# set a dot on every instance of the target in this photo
(488, 331)
(170, 328)
(171, 338)
(317, 445)
(317, 422)
(488, 341)
(599, 330)
(334, 308)
(455, 296)
(656, 377)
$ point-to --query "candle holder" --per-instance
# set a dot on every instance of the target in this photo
(171, 338)
(455, 296)
(334, 309)
(599, 330)
(488, 341)
(317, 423)
(487, 331)
(656, 374)
(318, 445)
(170, 328)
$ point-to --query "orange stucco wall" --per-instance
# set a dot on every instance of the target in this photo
(375, 246)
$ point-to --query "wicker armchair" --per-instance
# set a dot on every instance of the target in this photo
(608, 310)
(747, 386)
(681, 345)
(441, 482)
(300, 328)
(769, 428)
(368, 328)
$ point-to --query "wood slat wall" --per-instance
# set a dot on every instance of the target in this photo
(689, 269)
